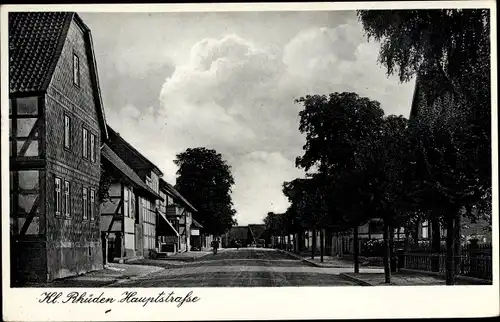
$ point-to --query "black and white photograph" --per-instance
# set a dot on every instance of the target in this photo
(182, 150)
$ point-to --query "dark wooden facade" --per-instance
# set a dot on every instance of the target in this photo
(55, 167)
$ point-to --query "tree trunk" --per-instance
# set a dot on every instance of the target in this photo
(313, 247)
(356, 249)
(392, 248)
(416, 231)
(322, 243)
(435, 244)
(387, 253)
(458, 245)
(450, 249)
(391, 240)
(407, 240)
(302, 240)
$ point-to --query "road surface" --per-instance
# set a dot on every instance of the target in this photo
(239, 268)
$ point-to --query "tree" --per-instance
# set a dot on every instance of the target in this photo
(271, 221)
(453, 42)
(308, 199)
(449, 51)
(334, 126)
(205, 179)
(380, 164)
(446, 181)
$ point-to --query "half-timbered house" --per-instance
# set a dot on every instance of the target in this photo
(120, 216)
(178, 212)
(57, 126)
(146, 207)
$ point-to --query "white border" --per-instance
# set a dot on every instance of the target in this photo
(258, 303)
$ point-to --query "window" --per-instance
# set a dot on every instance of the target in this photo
(425, 229)
(85, 205)
(85, 143)
(25, 202)
(67, 201)
(27, 106)
(92, 147)
(58, 196)
(92, 204)
(24, 126)
(76, 70)
(67, 132)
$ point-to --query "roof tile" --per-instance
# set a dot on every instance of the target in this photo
(35, 42)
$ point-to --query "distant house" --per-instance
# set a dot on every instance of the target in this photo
(196, 235)
(146, 208)
(120, 215)
(56, 128)
(258, 233)
(238, 233)
(179, 213)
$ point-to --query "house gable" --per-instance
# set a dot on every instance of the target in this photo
(37, 45)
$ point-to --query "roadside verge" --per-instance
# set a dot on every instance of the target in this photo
(332, 263)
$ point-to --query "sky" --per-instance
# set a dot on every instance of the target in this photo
(227, 81)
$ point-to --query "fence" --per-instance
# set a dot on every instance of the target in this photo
(475, 260)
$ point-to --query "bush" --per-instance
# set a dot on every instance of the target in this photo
(372, 248)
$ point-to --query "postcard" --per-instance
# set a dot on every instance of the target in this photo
(249, 161)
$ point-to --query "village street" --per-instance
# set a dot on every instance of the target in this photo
(243, 267)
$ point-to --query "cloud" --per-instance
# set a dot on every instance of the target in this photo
(259, 176)
(236, 95)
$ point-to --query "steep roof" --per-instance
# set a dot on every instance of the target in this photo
(164, 185)
(133, 157)
(36, 40)
(109, 155)
(196, 224)
(35, 44)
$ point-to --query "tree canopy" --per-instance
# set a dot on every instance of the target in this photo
(204, 178)
(336, 127)
(453, 42)
(450, 129)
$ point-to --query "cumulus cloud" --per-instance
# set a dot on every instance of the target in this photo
(236, 95)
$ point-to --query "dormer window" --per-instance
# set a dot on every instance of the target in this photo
(76, 70)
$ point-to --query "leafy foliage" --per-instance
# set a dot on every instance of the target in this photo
(105, 182)
(379, 162)
(451, 41)
(205, 179)
(449, 50)
(308, 198)
(450, 131)
(336, 127)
